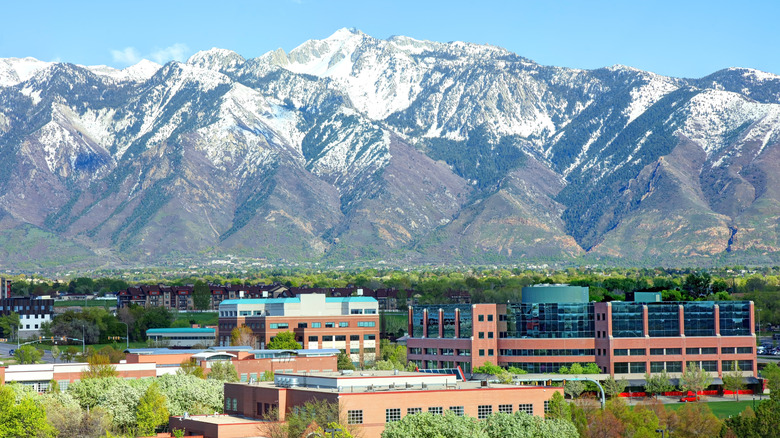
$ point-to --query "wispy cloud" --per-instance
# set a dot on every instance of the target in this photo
(176, 52)
(127, 56)
(130, 55)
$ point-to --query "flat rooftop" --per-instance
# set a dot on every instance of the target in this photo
(376, 381)
(224, 419)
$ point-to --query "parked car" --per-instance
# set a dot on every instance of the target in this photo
(690, 397)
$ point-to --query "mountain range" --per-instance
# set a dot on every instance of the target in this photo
(354, 149)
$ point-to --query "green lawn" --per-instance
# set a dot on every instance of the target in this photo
(726, 408)
(202, 318)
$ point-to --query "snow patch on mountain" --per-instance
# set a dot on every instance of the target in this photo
(647, 95)
(713, 114)
(16, 70)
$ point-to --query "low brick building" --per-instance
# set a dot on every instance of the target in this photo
(370, 399)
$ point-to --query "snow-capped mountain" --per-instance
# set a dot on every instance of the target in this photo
(356, 148)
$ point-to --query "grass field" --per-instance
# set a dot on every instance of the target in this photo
(202, 318)
(724, 409)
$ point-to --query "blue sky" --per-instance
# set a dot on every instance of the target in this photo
(676, 38)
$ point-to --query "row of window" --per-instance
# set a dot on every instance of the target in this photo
(481, 318)
(483, 411)
(314, 338)
(342, 324)
(444, 351)
(677, 367)
(550, 352)
(362, 312)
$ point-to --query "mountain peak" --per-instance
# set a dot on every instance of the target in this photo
(216, 59)
(16, 70)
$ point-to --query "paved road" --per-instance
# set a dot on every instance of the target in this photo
(5, 349)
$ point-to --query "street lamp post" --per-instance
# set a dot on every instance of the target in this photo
(333, 432)
(662, 431)
(127, 334)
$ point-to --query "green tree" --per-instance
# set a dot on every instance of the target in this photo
(201, 295)
(243, 335)
(658, 383)
(344, 362)
(733, 381)
(694, 379)
(697, 284)
(426, 424)
(99, 367)
(488, 368)
(284, 341)
(573, 388)
(9, 324)
(558, 407)
(613, 387)
(27, 354)
(24, 418)
(55, 352)
(191, 367)
(224, 371)
(152, 410)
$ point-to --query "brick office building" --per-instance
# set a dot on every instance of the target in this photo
(370, 399)
(625, 339)
(350, 324)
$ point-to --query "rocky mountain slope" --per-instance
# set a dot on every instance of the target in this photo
(355, 149)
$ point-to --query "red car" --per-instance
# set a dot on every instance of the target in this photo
(690, 397)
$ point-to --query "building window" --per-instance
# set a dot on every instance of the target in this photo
(481, 318)
(313, 338)
(481, 352)
(620, 352)
(303, 325)
(344, 324)
(490, 317)
(235, 404)
(546, 406)
(744, 350)
(279, 325)
(369, 337)
(727, 350)
(342, 338)
(484, 411)
(355, 416)
(481, 335)
(490, 335)
(464, 352)
(709, 365)
(712, 350)
(316, 325)
(528, 408)
(436, 410)
(330, 324)
(412, 411)
(431, 351)
(673, 351)
(356, 311)
(366, 324)
(490, 352)
(457, 410)
(354, 337)
(691, 351)
(327, 338)
(392, 415)
(507, 409)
